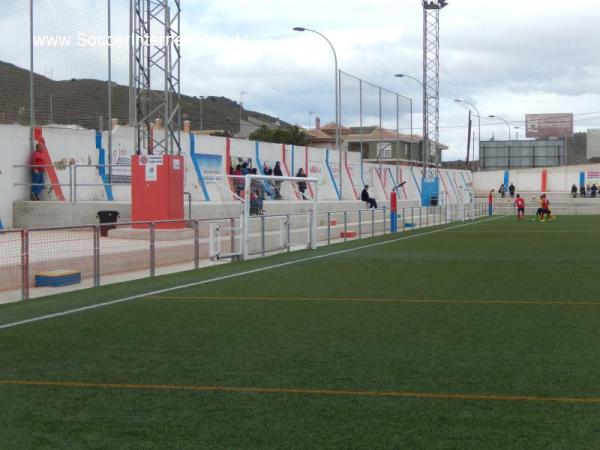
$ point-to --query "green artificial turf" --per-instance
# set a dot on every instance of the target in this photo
(490, 323)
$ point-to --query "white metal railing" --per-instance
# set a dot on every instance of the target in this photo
(100, 251)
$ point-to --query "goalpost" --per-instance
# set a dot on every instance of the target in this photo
(467, 204)
(279, 213)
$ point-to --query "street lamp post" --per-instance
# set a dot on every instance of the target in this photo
(517, 131)
(337, 102)
(509, 135)
(506, 122)
(402, 75)
(242, 93)
(478, 124)
(202, 97)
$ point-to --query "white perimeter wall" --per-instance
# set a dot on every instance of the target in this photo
(559, 179)
(79, 147)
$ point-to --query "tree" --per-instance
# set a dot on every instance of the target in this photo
(293, 135)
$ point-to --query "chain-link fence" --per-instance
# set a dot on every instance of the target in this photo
(376, 121)
(56, 64)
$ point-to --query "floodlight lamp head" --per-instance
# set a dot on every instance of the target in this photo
(434, 4)
(299, 29)
(400, 75)
(492, 116)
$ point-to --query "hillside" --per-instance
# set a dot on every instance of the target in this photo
(83, 102)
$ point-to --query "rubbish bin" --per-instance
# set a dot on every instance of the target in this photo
(107, 217)
(433, 200)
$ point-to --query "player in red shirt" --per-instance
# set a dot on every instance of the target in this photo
(520, 203)
(546, 210)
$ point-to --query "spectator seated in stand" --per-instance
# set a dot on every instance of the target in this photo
(365, 197)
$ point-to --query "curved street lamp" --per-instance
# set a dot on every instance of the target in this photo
(402, 75)
(505, 121)
(337, 102)
(478, 123)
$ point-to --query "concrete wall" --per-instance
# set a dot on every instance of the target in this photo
(68, 146)
(558, 179)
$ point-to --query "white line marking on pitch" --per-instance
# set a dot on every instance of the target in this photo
(227, 277)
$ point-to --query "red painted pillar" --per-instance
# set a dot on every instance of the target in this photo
(544, 181)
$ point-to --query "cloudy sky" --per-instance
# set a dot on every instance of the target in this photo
(508, 57)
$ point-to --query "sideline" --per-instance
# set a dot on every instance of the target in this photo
(234, 275)
(304, 391)
(382, 300)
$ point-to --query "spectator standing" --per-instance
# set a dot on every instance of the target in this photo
(245, 168)
(365, 197)
(574, 191)
(257, 194)
(267, 170)
(277, 173)
(37, 172)
(511, 190)
(502, 190)
(594, 190)
(301, 184)
(238, 180)
(582, 191)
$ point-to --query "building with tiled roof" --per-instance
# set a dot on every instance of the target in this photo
(374, 143)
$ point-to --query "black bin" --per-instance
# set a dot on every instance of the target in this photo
(107, 217)
(433, 200)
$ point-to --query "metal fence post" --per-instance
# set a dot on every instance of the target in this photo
(412, 216)
(345, 226)
(96, 255)
(427, 215)
(196, 225)
(152, 250)
(262, 235)
(70, 183)
(232, 235)
(74, 183)
(360, 223)
(25, 264)
(289, 233)
(310, 230)
(328, 228)
(373, 222)
(403, 221)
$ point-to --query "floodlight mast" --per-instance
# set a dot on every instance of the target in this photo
(431, 81)
(156, 52)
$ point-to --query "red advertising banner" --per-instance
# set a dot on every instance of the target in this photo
(545, 126)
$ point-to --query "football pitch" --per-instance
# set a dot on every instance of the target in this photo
(468, 336)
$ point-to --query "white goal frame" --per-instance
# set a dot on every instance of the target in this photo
(313, 212)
